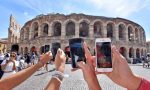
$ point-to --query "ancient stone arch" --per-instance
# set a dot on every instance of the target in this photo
(70, 28)
(121, 31)
(35, 29)
(45, 29)
(56, 28)
(110, 27)
(98, 28)
(131, 33)
(84, 28)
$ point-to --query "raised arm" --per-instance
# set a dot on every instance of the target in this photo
(56, 79)
(14, 80)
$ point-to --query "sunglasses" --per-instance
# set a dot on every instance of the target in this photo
(12, 56)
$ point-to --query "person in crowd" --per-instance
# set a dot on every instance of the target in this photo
(121, 74)
(27, 60)
(54, 84)
(9, 66)
(1, 60)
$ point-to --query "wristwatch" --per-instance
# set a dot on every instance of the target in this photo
(58, 75)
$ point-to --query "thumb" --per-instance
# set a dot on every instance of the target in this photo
(80, 64)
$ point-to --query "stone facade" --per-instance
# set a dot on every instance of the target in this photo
(54, 30)
(3, 45)
(148, 47)
(13, 33)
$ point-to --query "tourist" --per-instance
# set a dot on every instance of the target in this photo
(9, 66)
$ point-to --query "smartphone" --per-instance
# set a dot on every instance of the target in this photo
(76, 51)
(103, 55)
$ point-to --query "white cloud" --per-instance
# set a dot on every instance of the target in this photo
(121, 8)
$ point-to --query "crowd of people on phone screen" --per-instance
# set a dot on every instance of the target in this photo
(13, 62)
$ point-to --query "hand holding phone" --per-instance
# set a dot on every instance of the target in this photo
(103, 55)
(76, 51)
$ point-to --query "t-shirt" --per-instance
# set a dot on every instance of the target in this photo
(1, 56)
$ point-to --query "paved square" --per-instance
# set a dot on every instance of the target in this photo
(75, 80)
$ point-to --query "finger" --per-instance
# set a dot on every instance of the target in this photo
(94, 61)
(80, 64)
(87, 53)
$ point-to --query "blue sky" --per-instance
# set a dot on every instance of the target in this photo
(24, 10)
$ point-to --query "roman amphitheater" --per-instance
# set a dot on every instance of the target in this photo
(51, 31)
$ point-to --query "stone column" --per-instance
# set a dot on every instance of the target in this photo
(91, 31)
(63, 33)
(126, 34)
(134, 53)
(77, 29)
(40, 29)
(127, 53)
(50, 29)
(104, 30)
(30, 33)
(116, 33)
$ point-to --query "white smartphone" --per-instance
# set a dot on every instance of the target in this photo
(103, 55)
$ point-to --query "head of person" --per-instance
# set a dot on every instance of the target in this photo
(13, 56)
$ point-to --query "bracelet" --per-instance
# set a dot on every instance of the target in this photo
(58, 75)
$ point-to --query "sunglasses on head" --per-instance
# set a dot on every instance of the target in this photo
(12, 56)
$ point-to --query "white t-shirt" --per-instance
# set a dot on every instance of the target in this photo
(1, 56)
(9, 67)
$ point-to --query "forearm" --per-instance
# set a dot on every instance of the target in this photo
(54, 84)
(19, 77)
(93, 84)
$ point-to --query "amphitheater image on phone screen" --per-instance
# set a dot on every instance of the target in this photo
(104, 59)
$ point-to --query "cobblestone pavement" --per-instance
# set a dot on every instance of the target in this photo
(75, 80)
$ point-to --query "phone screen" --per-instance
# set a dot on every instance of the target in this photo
(76, 51)
(104, 59)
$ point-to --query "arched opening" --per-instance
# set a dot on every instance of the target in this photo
(57, 29)
(70, 29)
(15, 48)
(130, 34)
(131, 53)
(123, 51)
(35, 29)
(97, 29)
(137, 53)
(137, 35)
(84, 29)
(110, 30)
(121, 32)
(45, 29)
(26, 50)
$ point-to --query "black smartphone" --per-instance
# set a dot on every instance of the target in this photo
(76, 51)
